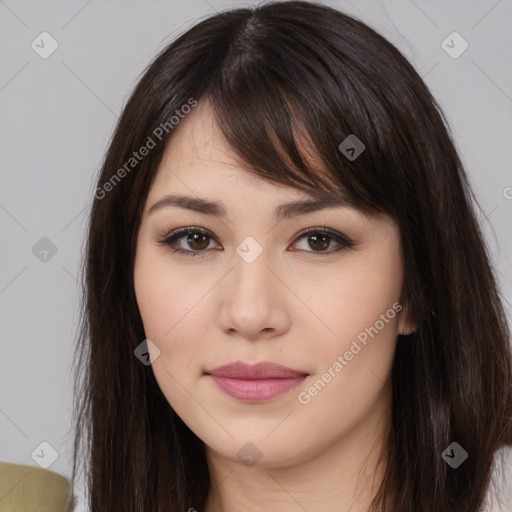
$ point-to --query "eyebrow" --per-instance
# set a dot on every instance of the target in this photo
(283, 211)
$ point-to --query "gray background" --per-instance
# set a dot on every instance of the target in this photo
(57, 115)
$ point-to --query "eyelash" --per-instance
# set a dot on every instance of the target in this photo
(171, 239)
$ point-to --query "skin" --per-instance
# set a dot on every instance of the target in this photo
(287, 307)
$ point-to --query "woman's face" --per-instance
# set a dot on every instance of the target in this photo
(256, 291)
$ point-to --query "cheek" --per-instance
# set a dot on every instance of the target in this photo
(356, 338)
(157, 307)
(162, 293)
(347, 301)
(173, 315)
(353, 364)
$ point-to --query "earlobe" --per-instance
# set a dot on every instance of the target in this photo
(405, 326)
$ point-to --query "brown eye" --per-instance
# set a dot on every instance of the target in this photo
(195, 241)
(319, 242)
(322, 241)
(198, 241)
(189, 241)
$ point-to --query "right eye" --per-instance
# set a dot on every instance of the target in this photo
(197, 239)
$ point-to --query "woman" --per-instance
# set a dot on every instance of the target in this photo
(288, 299)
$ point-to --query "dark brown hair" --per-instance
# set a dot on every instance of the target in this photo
(272, 74)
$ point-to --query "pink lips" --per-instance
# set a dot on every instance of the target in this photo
(255, 383)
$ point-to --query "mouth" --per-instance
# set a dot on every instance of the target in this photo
(255, 383)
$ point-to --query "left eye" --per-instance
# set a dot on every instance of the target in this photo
(320, 240)
(199, 240)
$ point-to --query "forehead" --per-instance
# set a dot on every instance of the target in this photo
(198, 167)
(197, 154)
(198, 163)
(198, 138)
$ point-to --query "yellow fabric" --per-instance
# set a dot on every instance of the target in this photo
(33, 489)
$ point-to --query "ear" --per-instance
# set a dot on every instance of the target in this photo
(406, 324)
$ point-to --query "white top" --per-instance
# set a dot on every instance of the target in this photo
(499, 496)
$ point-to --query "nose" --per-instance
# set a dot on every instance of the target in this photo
(254, 302)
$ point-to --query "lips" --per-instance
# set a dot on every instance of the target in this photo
(255, 383)
(258, 371)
